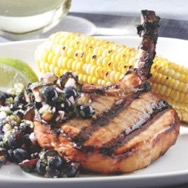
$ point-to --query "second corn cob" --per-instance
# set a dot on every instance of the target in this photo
(102, 62)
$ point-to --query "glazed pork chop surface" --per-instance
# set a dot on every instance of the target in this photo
(131, 127)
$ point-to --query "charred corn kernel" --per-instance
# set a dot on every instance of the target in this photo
(102, 62)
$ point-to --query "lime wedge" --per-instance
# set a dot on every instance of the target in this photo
(15, 71)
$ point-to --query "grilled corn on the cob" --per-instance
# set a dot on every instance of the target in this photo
(104, 63)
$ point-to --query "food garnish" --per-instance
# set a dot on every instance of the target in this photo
(52, 100)
(15, 71)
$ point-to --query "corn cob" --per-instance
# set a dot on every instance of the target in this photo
(102, 62)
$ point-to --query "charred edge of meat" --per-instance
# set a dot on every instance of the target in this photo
(145, 87)
(101, 90)
(149, 25)
(104, 118)
(148, 30)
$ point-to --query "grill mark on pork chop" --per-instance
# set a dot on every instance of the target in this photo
(123, 138)
(121, 153)
(136, 113)
(89, 137)
(104, 118)
(112, 140)
(100, 104)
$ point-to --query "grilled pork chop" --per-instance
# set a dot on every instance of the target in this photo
(131, 127)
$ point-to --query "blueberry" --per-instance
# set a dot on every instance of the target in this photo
(19, 102)
(20, 155)
(50, 95)
(3, 97)
(27, 141)
(28, 93)
(10, 155)
(71, 170)
(66, 106)
(25, 128)
(37, 105)
(16, 139)
(1, 137)
(55, 162)
(19, 114)
(1, 126)
(50, 153)
(41, 166)
(70, 92)
(52, 165)
(52, 172)
(86, 111)
(31, 147)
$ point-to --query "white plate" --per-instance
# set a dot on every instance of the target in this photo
(170, 169)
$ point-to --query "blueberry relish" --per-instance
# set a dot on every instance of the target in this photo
(52, 101)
